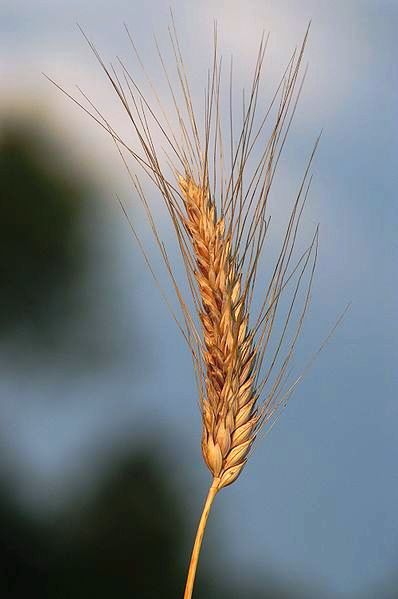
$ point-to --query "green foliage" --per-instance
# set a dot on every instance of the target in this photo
(40, 244)
(126, 539)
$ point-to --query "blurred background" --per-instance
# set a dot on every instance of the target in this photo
(101, 478)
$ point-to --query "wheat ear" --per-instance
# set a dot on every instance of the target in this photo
(228, 408)
(217, 201)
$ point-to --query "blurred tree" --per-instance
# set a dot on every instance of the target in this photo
(124, 541)
(41, 250)
(59, 305)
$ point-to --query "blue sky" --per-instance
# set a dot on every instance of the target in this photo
(318, 499)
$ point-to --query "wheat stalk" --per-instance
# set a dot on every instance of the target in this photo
(217, 202)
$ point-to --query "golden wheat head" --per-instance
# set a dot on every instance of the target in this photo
(214, 173)
(217, 201)
(229, 406)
